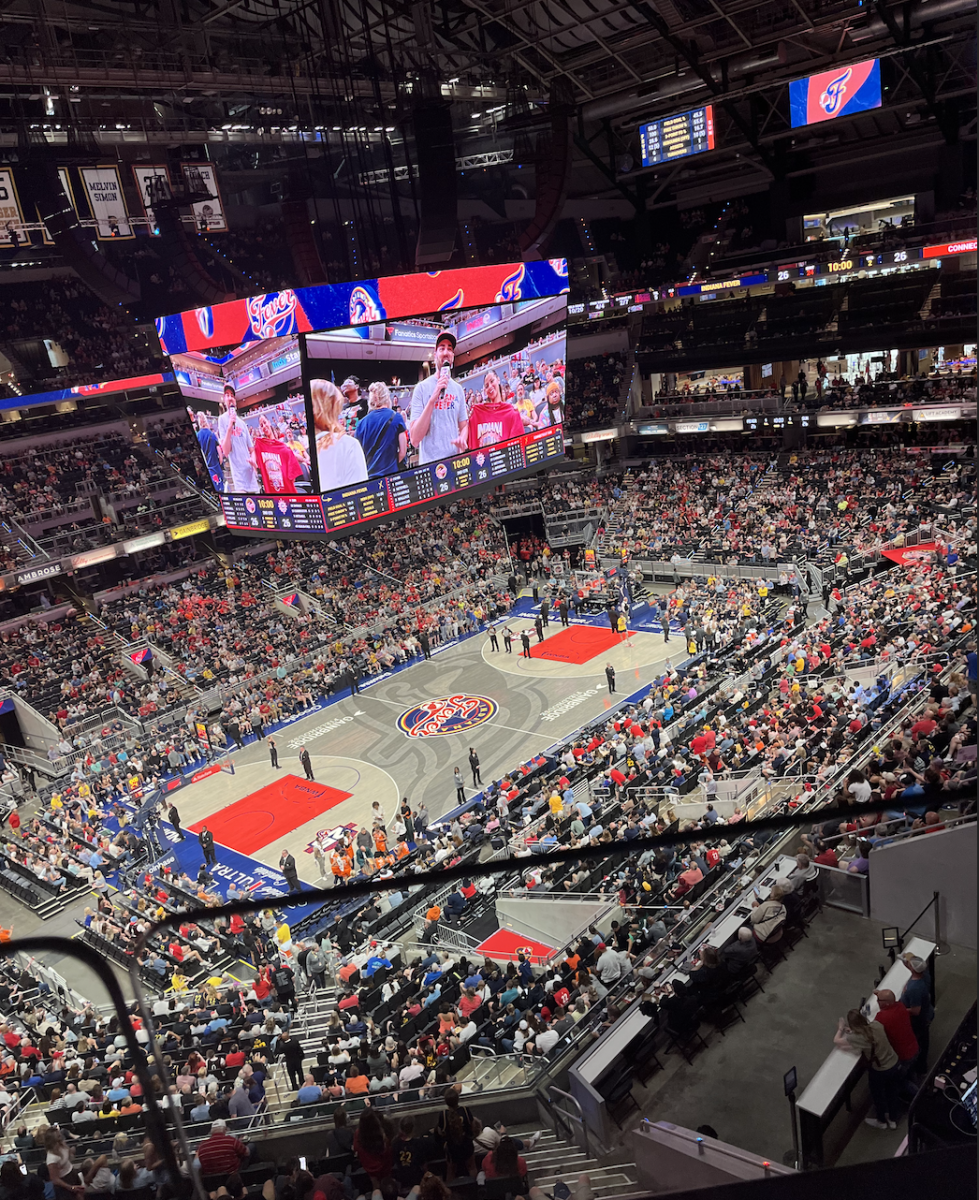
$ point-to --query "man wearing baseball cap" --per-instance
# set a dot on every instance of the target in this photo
(438, 421)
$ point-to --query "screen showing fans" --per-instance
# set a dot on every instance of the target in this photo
(308, 432)
(249, 414)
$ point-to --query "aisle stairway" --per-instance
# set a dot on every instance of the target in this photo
(553, 1159)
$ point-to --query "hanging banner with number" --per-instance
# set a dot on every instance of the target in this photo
(103, 189)
(152, 183)
(208, 214)
(69, 194)
(12, 231)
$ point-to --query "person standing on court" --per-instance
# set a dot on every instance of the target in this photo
(665, 620)
(474, 765)
(539, 628)
(493, 641)
(273, 753)
(563, 610)
(610, 676)
(353, 678)
(525, 642)
(425, 644)
(174, 818)
(460, 785)
(508, 639)
(545, 611)
(206, 839)
(287, 865)
(307, 764)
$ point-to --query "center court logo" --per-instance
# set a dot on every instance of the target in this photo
(447, 714)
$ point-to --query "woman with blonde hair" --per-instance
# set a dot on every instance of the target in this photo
(339, 457)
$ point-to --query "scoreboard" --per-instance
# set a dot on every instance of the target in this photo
(677, 137)
(388, 495)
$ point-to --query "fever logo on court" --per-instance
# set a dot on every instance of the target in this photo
(447, 714)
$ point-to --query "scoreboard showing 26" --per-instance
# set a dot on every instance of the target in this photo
(677, 137)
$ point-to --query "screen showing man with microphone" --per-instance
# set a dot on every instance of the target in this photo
(438, 421)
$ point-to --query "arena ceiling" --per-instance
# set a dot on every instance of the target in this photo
(267, 72)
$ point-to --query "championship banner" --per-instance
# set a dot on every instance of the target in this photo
(208, 214)
(103, 189)
(912, 555)
(12, 231)
(152, 183)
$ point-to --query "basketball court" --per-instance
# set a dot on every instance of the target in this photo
(406, 731)
(504, 946)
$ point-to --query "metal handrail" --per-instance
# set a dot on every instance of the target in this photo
(577, 1117)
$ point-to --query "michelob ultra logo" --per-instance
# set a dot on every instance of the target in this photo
(447, 714)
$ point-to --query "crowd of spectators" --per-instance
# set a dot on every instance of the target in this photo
(100, 342)
(744, 509)
(402, 1029)
(595, 391)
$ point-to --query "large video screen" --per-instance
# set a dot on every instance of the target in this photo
(249, 414)
(313, 432)
(832, 94)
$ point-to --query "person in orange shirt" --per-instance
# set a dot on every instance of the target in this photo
(356, 1084)
(380, 840)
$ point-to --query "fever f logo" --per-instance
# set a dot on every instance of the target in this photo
(833, 99)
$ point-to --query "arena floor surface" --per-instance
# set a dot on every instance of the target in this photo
(405, 732)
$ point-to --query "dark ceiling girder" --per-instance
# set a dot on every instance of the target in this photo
(689, 55)
(947, 122)
(589, 153)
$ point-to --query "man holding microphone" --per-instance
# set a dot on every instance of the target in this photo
(439, 419)
(235, 444)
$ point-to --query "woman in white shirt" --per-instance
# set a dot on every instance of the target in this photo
(858, 787)
(340, 458)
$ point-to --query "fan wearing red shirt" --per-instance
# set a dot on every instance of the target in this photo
(827, 857)
(897, 1025)
(276, 463)
(493, 420)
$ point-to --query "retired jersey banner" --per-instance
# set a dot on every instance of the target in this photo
(208, 214)
(152, 183)
(69, 195)
(103, 190)
(12, 231)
